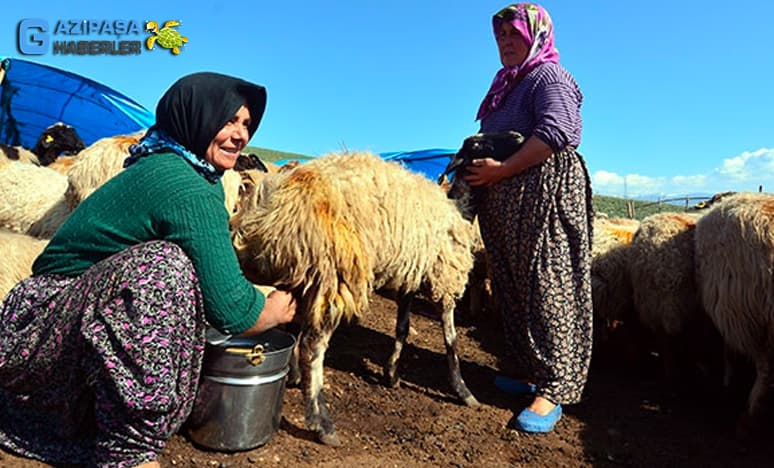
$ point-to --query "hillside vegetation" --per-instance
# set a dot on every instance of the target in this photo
(617, 207)
(273, 155)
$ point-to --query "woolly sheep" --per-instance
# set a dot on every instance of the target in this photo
(33, 199)
(63, 164)
(611, 285)
(232, 187)
(734, 258)
(39, 199)
(237, 185)
(616, 330)
(479, 297)
(247, 173)
(662, 272)
(18, 252)
(96, 164)
(336, 228)
(666, 298)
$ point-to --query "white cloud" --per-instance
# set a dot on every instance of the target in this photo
(610, 183)
(748, 165)
(607, 178)
(745, 172)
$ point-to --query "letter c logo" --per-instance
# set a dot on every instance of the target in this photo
(33, 37)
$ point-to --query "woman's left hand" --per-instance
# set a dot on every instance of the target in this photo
(484, 172)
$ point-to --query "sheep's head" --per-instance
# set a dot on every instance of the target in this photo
(55, 140)
(249, 161)
(247, 231)
(11, 152)
(715, 199)
(496, 145)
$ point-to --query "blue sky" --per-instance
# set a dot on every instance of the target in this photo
(678, 95)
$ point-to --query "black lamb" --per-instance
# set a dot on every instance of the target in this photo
(496, 145)
(58, 139)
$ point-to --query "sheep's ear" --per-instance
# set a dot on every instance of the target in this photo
(516, 136)
(47, 141)
(455, 163)
(257, 163)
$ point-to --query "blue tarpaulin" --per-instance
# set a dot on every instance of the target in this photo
(35, 96)
(430, 162)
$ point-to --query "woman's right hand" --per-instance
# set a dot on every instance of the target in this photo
(279, 308)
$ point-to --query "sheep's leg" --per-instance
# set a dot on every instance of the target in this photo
(760, 387)
(311, 355)
(758, 395)
(450, 339)
(401, 332)
(294, 372)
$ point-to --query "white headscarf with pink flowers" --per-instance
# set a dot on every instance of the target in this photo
(534, 24)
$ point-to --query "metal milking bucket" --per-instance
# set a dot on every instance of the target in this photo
(239, 401)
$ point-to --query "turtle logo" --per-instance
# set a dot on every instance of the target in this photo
(166, 37)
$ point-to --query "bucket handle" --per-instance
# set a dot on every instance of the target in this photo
(254, 355)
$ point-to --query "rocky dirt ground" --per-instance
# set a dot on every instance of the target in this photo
(629, 417)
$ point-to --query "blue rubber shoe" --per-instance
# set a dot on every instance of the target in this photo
(529, 421)
(514, 386)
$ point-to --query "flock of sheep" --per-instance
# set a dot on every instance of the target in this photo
(700, 285)
(341, 226)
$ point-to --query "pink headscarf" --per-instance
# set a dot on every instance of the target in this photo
(537, 30)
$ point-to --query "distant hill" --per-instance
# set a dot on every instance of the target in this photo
(617, 207)
(273, 155)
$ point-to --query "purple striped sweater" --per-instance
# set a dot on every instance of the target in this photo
(546, 103)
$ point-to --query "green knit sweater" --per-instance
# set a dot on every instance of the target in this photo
(160, 197)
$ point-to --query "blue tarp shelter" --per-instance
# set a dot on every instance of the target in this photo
(430, 162)
(34, 96)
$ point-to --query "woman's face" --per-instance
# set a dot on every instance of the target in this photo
(228, 143)
(513, 48)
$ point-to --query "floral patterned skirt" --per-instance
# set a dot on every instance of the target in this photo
(101, 369)
(537, 230)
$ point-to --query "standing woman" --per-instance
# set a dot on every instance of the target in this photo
(101, 349)
(536, 217)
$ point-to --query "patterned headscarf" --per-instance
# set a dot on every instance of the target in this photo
(534, 25)
(192, 111)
